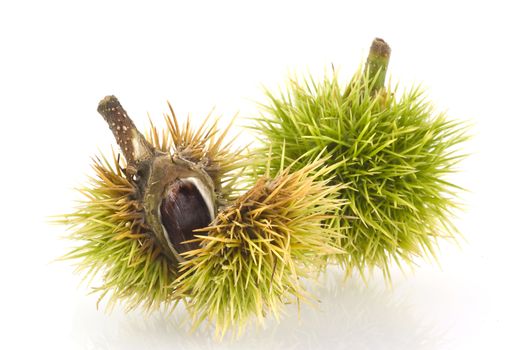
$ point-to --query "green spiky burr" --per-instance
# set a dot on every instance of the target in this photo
(393, 151)
(154, 248)
(141, 207)
(254, 257)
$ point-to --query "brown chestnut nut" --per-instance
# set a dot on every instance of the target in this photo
(185, 207)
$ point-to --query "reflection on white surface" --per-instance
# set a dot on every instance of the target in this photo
(350, 316)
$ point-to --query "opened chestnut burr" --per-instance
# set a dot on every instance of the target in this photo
(177, 194)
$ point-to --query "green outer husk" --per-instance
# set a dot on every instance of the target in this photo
(115, 243)
(259, 250)
(113, 239)
(394, 155)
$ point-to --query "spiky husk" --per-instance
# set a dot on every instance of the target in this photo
(258, 250)
(393, 153)
(115, 242)
(206, 146)
(109, 224)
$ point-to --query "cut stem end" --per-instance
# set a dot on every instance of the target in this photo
(377, 63)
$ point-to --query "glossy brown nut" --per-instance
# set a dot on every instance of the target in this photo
(183, 210)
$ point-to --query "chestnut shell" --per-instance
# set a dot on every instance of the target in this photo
(183, 210)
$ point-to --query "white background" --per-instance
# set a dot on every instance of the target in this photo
(58, 59)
